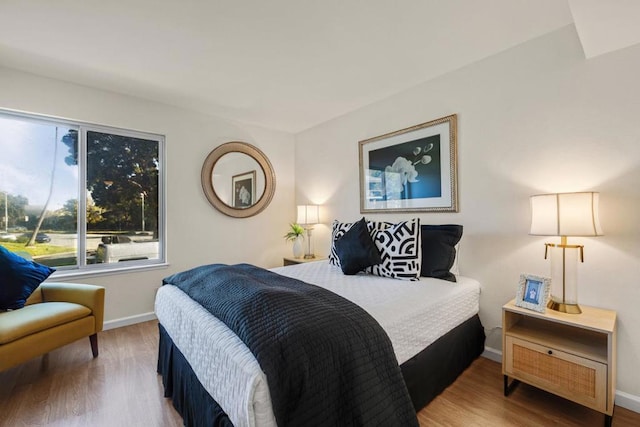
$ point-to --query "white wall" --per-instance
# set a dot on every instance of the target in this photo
(196, 233)
(536, 118)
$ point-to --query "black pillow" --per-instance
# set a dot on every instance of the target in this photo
(18, 279)
(356, 250)
(438, 250)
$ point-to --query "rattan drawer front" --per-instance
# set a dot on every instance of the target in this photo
(575, 378)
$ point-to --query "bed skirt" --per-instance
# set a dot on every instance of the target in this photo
(436, 367)
(426, 374)
(189, 397)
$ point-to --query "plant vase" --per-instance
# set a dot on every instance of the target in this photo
(298, 248)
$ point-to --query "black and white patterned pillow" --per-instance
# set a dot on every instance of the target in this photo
(400, 249)
(338, 230)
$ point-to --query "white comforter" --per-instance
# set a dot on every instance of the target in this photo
(414, 315)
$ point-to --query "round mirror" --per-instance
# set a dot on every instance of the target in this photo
(238, 179)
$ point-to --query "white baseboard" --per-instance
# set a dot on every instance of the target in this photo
(628, 401)
(492, 354)
(131, 320)
(624, 400)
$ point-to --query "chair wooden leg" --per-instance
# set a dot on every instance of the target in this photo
(94, 344)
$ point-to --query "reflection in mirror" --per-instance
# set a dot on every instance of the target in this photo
(238, 179)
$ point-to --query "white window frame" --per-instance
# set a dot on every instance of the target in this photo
(82, 268)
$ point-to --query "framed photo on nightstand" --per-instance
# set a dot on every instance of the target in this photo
(533, 292)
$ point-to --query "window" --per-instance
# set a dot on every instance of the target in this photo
(80, 197)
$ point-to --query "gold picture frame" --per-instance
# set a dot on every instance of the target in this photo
(411, 170)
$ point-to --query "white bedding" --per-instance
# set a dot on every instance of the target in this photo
(414, 315)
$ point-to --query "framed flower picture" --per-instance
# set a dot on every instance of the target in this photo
(411, 170)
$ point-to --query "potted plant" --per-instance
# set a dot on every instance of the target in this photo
(295, 235)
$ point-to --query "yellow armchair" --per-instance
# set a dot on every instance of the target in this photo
(55, 314)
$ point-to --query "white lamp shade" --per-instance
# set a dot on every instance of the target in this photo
(565, 214)
(308, 214)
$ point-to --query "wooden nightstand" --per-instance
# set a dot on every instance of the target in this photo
(570, 355)
(293, 261)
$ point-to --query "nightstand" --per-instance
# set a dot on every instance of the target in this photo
(293, 261)
(570, 355)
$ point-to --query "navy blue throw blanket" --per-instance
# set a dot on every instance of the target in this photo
(327, 361)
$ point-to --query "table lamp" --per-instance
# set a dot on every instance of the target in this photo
(564, 215)
(308, 216)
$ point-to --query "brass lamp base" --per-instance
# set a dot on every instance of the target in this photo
(309, 256)
(564, 308)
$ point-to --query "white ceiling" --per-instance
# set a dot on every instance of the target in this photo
(604, 26)
(282, 64)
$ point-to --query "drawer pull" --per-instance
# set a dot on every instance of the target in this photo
(549, 352)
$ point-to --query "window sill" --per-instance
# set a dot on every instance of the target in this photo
(78, 274)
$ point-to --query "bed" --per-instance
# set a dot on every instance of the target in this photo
(214, 379)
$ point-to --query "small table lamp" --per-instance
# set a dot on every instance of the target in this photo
(308, 216)
(565, 214)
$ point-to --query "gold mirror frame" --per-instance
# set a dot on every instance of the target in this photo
(206, 177)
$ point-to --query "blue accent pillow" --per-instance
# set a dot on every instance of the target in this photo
(439, 250)
(18, 279)
(356, 250)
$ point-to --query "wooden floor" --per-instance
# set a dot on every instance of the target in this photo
(121, 388)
